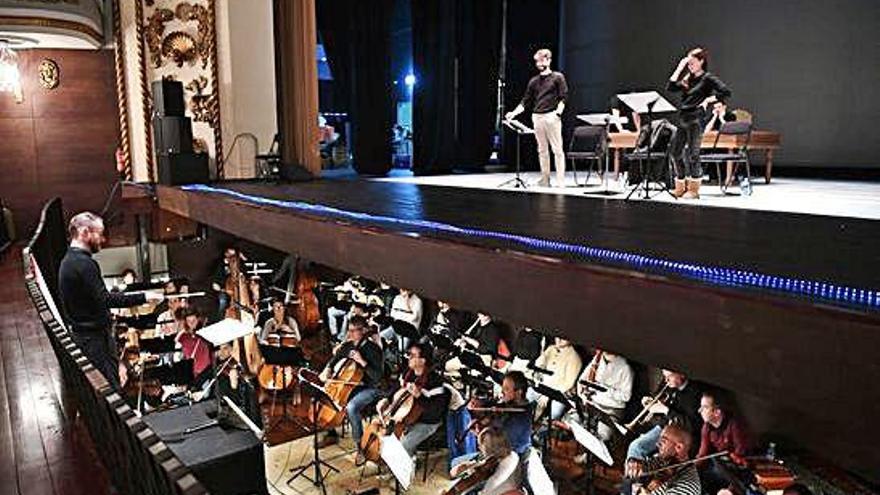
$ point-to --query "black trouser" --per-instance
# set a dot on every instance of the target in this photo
(100, 348)
(686, 152)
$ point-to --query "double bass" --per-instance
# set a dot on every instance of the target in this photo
(401, 412)
(240, 308)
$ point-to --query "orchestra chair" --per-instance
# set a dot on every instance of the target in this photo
(588, 142)
(735, 156)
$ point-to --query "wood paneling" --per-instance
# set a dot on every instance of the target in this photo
(59, 142)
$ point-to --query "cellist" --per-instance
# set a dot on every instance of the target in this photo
(368, 355)
(426, 385)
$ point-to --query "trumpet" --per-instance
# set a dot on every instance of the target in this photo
(644, 415)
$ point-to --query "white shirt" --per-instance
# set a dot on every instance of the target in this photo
(564, 362)
(408, 309)
(616, 374)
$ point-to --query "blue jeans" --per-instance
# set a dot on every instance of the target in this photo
(359, 400)
(417, 434)
(337, 321)
(645, 445)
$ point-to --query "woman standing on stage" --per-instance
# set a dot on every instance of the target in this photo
(699, 89)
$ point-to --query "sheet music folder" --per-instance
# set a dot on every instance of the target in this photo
(225, 331)
(602, 119)
(518, 126)
(638, 102)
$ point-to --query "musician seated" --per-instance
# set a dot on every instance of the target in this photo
(280, 323)
(483, 337)
(723, 430)
(516, 424)
(407, 307)
(674, 446)
(194, 346)
(165, 322)
(431, 397)
(680, 405)
(449, 321)
(612, 373)
(368, 355)
(564, 363)
(506, 477)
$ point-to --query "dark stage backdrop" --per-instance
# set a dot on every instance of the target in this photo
(805, 68)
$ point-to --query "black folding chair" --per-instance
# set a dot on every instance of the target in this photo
(588, 142)
(653, 155)
(736, 155)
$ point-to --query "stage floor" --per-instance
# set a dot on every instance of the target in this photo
(849, 199)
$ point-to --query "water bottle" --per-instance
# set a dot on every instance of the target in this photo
(745, 186)
(771, 452)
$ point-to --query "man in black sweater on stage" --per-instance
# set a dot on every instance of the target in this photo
(545, 96)
(85, 300)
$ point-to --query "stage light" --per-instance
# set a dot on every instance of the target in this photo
(410, 80)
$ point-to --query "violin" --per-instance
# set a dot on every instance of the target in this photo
(401, 412)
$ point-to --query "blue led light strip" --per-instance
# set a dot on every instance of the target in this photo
(718, 276)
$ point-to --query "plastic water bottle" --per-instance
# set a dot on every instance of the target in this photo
(771, 452)
(745, 186)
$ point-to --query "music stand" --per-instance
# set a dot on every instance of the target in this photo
(519, 128)
(398, 461)
(318, 397)
(604, 119)
(647, 102)
(223, 332)
(552, 395)
(404, 330)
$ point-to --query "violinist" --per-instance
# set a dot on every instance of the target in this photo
(722, 431)
(483, 337)
(166, 319)
(280, 323)
(674, 447)
(194, 346)
(505, 474)
(426, 386)
(680, 405)
(368, 355)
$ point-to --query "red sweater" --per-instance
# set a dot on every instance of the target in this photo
(197, 349)
(731, 435)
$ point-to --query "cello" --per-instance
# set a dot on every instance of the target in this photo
(401, 412)
(346, 376)
(307, 312)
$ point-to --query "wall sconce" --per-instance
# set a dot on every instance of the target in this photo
(10, 77)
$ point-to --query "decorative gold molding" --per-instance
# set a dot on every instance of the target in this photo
(121, 93)
(50, 74)
(144, 86)
(52, 23)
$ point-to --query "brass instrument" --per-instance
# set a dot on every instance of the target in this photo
(644, 415)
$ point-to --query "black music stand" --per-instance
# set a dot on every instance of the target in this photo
(179, 373)
(404, 330)
(284, 357)
(519, 128)
(552, 395)
(318, 397)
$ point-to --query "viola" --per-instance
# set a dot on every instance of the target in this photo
(478, 473)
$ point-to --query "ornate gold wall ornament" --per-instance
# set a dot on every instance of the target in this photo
(50, 75)
(199, 102)
(155, 31)
(179, 47)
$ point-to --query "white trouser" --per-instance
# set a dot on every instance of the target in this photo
(548, 131)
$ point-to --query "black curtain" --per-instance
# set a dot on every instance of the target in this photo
(531, 24)
(479, 44)
(356, 39)
(433, 39)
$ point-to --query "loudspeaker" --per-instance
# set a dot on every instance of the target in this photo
(183, 168)
(172, 135)
(168, 98)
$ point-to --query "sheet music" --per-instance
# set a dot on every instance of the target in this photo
(397, 460)
(590, 442)
(225, 331)
(519, 126)
(602, 119)
(638, 102)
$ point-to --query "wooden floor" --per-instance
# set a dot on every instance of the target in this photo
(43, 448)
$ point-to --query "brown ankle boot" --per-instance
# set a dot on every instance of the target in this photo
(680, 188)
(693, 189)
